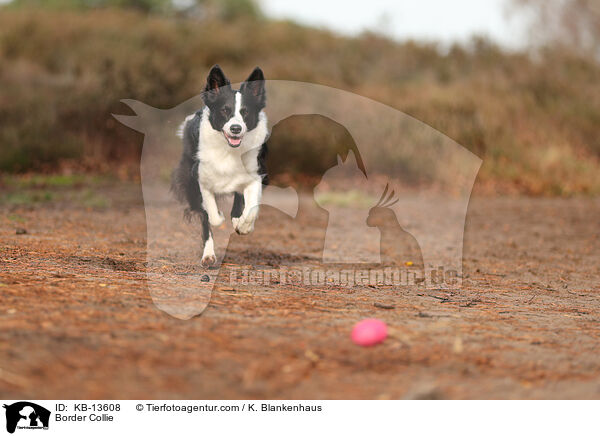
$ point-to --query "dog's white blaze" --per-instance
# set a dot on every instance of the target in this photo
(238, 105)
(237, 117)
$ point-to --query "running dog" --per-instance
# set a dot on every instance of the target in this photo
(224, 152)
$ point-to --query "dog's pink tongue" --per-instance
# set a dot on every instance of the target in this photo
(235, 141)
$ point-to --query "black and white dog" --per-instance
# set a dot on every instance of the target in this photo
(224, 152)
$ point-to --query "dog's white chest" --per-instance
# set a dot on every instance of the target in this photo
(224, 173)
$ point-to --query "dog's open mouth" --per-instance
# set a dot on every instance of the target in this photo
(234, 141)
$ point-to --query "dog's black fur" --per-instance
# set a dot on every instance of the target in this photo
(220, 100)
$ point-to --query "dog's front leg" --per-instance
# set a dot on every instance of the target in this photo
(252, 194)
(215, 216)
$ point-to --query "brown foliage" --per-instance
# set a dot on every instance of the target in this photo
(534, 121)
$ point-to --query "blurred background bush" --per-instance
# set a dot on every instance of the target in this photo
(532, 114)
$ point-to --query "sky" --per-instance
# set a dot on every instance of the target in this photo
(446, 21)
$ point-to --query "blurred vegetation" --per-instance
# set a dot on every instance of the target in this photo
(573, 25)
(157, 6)
(534, 119)
(204, 9)
(30, 189)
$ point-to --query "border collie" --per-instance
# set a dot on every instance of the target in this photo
(224, 152)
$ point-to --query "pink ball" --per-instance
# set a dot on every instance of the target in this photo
(369, 332)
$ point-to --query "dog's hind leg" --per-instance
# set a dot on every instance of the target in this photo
(208, 253)
(237, 208)
(185, 184)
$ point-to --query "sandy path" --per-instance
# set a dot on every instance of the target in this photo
(77, 321)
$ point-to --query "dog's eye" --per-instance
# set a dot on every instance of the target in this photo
(226, 111)
(243, 111)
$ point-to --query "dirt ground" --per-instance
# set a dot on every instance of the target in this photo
(77, 320)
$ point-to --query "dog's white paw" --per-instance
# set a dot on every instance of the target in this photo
(245, 223)
(216, 220)
(208, 253)
(235, 221)
(208, 261)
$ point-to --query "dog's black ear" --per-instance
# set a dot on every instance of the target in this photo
(214, 82)
(255, 85)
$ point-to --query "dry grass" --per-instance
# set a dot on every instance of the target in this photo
(533, 121)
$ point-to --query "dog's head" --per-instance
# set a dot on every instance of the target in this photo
(234, 112)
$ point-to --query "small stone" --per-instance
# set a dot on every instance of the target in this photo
(384, 306)
(311, 355)
(21, 231)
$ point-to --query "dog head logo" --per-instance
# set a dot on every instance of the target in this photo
(26, 415)
(424, 180)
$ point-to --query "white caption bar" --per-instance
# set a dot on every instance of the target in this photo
(151, 417)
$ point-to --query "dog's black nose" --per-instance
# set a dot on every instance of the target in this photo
(235, 129)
